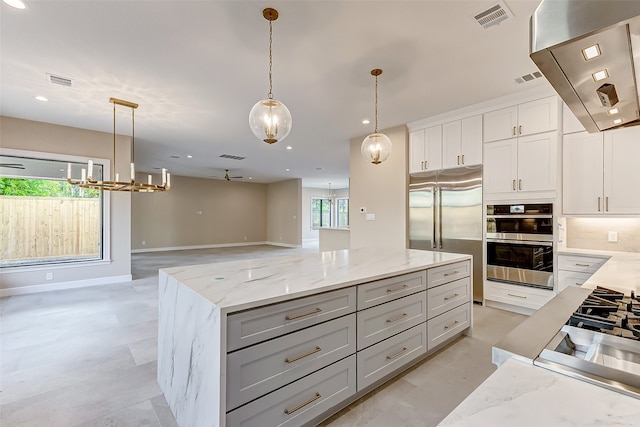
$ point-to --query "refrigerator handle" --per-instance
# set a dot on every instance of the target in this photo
(433, 243)
(440, 217)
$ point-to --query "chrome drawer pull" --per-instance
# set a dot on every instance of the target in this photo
(451, 325)
(583, 265)
(514, 185)
(393, 356)
(314, 398)
(395, 319)
(518, 296)
(398, 289)
(450, 274)
(450, 297)
(297, 316)
(293, 359)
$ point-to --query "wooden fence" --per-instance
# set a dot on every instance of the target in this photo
(49, 227)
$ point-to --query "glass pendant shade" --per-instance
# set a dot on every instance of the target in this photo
(376, 148)
(270, 120)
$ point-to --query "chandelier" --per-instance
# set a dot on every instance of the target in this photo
(270, 119)
(87, 180)
(376, 147)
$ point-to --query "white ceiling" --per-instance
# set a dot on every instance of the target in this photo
(197, 67)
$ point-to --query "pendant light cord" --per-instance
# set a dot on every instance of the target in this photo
(376, 129)
(133, 135)
(270, 58)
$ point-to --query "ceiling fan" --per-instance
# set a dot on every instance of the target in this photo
(227, 177)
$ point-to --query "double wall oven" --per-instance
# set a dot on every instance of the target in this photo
(520, 244)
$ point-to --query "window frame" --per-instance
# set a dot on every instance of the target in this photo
(330, 212)
(106, 211)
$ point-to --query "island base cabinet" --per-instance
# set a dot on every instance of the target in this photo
(445, 326)
(300, 401)
(385, 357)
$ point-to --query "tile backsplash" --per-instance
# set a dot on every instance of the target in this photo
(593, 233)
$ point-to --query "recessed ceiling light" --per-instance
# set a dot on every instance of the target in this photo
(18, 4)
(319, 169)
(41, 98)
(288, 170)
(600, 75)
(591, 52)
(614, 111)
(365, 121)
(289, 147)
(189, 156)
(617, 121)
(250, 177)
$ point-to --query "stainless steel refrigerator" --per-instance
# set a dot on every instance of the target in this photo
(445, 214)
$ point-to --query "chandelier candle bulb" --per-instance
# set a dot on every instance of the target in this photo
(117, 176)
(133, 172)
(83, 177)
(90, 169)
(68, 170)
(164, 176)
(149, 179)
(168, 180)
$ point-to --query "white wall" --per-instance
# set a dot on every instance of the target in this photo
(383, 190)
(284, 217)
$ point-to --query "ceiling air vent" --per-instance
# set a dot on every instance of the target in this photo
(528, 77)
(58, 80)
(494, 15)
(229, 156)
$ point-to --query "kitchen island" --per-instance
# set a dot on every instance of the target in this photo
(291, 340)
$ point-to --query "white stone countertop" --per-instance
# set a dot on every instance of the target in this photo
(239, 285)
(621, 272)
(521, 394)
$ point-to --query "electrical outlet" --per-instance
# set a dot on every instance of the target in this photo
(49, 276)
(613, 236)
(144, 242)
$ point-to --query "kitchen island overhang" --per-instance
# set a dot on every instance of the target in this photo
(196, 302)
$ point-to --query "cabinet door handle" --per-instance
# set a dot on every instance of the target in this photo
(519, 185)
(302, 356)
(598, 204)
(314, 398)
(426, 164)
(395, 355)
(514, 131)
(450, 297)
(583, 265)
(458, 159)
(450, 274)
(398, 289)
(520, 130)
(422, 165)
(514, 185)
(451, 325)
(517, 296)
(463, 159)
(309, 313)
(395, 319)
(606, 203)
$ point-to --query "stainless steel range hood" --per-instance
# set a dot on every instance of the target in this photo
(601, 91)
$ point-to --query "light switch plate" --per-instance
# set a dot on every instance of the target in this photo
(371, 217)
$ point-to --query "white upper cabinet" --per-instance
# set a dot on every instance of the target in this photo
(524, 119)
(601, 172)
(520, 165)
(570, 122)
(462, 142)
(425, 149)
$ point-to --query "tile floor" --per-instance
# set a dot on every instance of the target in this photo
(87, 357)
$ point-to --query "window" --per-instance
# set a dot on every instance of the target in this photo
(46, 220)
(326, 212)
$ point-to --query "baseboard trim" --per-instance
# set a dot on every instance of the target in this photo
(284, 245)
(185, 248)
(32, 289)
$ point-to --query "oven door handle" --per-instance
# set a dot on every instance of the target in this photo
(521, 242)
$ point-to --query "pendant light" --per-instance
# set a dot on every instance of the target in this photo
(376, 147)
(87, 180)
(270, 119)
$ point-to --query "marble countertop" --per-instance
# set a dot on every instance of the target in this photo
(621, 272)
(239, 285)
(526, 395)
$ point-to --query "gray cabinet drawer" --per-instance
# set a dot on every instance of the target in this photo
(443, 327)
(253, 326)
(383, 358)
(381, 291)
(259, 369)
(443, 298)
(571, 278)
(448, 273)
(585, 264)
(382, 321)
(301, 401)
